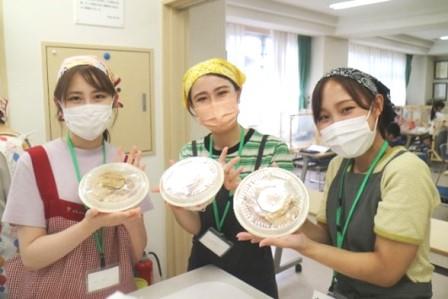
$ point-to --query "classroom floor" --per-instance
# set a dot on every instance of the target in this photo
(315, 276)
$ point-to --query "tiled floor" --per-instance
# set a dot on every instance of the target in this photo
(315, 276)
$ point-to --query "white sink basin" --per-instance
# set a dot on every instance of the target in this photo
(203, 290)
(203, 283)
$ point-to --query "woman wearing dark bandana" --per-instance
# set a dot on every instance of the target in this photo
(373, 228)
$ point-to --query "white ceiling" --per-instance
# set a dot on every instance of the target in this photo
(430, 34)
(421, 19)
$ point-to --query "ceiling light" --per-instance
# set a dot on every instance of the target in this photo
(354, 3)
(444, 37)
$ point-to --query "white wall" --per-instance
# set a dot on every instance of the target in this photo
(429, 77)
(419, 89)
(440, 48)
(28, 23)
(420, 86)
(326, 53)
(336, 53)
(205, 44)
(317, 61)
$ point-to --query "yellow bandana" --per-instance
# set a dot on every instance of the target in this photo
(73, 61)
(212, 66)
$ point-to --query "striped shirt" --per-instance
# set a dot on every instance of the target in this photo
(275, 151)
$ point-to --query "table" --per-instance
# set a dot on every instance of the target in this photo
(439, 245)
(202, 283)
(438, 240)
(412, 134)
(316, 199)
(308, 157)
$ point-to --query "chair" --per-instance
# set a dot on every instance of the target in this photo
(440, 138)
(443, 189)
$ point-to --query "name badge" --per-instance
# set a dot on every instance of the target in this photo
(103, 278)
(319, 295)
(215, 242)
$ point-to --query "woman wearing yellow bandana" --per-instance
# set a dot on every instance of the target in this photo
(211, 94)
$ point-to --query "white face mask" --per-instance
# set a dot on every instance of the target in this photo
(349, 138)
(88, 121)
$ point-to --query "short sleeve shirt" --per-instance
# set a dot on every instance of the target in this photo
(25, 205)
(275, 152)
(408, 197)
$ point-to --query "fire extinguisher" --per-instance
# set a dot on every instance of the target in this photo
(145, 266)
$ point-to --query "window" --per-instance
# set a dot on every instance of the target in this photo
(387, 66)
(270, 61)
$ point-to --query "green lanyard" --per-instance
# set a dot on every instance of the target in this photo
(340, 235)
(220, 221)
(98, 235)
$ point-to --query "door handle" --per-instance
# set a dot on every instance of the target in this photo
(144, 102)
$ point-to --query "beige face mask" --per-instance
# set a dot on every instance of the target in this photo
(219, 116)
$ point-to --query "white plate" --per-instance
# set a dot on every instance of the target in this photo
(113, 187)
(192, 183)
(271, 202)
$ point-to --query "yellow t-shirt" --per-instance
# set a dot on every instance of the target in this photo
(408, 197)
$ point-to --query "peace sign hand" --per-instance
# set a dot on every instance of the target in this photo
(231, 175)
(133, 157)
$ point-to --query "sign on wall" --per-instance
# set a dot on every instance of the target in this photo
(100, 12)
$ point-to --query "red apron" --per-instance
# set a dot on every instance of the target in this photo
(67, 278)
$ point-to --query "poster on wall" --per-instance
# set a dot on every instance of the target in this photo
(108, 13)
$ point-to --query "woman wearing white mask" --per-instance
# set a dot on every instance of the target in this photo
(211, 93)
(66, 251)
(373, 229)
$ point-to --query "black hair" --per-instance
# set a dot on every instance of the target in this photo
(436, 107)
(394, 129)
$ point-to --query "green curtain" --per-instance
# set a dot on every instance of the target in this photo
(408, 68)
(304, 43)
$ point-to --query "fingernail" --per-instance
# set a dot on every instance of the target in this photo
(125, 158)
